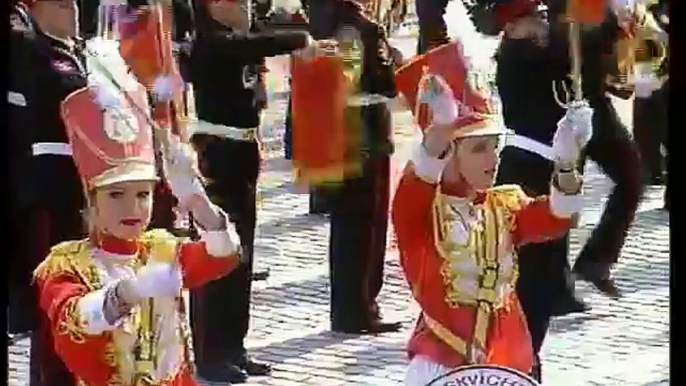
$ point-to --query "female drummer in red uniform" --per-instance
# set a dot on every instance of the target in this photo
(114, 299)
(457, 236)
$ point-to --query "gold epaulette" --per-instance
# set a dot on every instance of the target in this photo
(160, 245)
(74, 257)
(509, 197)
(66, 257)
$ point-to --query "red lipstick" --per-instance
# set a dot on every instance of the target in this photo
(131, 221)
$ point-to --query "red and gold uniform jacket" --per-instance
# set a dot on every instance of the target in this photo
(73, 280)
(459, 257)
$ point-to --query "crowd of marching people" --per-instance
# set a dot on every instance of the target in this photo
(123, 198)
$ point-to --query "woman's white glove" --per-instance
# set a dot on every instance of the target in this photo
(106, 97)
(435, 92)
(181, 168)
(574, 131)
(157, 280)
(163, 87)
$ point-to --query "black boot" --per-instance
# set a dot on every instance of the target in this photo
(566, 302)
(260, 275)
(253, 367)
(318, 201)
(597, 274)
(227, 373)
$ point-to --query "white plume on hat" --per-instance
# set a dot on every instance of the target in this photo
(105, 64)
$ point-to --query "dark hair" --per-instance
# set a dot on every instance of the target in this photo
(482, 14)
(201, 16)
(485, 13)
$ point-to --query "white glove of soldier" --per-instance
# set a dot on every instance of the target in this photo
(157, 280)
(435, 92)
(645, 86)
(573, 133)
(182, 170)
(581, 116)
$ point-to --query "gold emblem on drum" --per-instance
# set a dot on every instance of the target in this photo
(121, 124)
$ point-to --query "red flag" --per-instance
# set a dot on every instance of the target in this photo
(318, 95)
(146, 43)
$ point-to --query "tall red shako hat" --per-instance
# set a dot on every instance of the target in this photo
(476, 113)
(113, 144)
(448, 62)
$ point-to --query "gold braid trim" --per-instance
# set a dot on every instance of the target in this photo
(69, 257)
(508, 199)
(160, 245)
(71, 323)
(111, 357)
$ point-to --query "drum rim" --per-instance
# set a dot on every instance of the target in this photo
(476, 367)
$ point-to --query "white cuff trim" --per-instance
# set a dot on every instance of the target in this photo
(224, 242)
(563, 205)
(16, 99)
(426, 167)
(92, 312)
(221, 243)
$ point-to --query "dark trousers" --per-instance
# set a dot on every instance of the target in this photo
(220, 311)
(288, 132)
(612, 148)
(24, 257)
(357, 245)
(650, 131)
(433, 31)
(544, 270)
(50, 227)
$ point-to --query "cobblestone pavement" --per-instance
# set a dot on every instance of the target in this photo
(621, 342)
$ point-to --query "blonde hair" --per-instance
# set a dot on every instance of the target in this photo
(87, 211)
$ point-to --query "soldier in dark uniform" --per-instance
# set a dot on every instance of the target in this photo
(433, 32)
(611, 146)
(359, 207)
(88, 18)
(650, 98)
(533, 65)
(225, 62)
(53, 197)
(525, 76)
(22, 302)
(182, 33)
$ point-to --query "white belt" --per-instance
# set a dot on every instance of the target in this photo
(528, 144)
(51, 148)
(15, 98)
(368, 99)
(238, 134)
